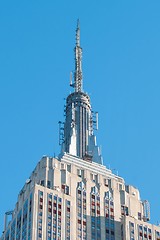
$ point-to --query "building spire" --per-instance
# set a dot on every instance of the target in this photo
(78, 34)
(77, 135)
(78, 61)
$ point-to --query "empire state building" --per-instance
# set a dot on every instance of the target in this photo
(74, 196)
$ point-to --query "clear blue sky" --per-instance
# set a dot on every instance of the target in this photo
(121, 70)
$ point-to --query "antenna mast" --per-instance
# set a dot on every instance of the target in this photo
(78, 61)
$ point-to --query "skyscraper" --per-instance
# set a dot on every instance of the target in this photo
(74, 196)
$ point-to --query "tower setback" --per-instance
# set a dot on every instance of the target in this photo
(74, 196)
